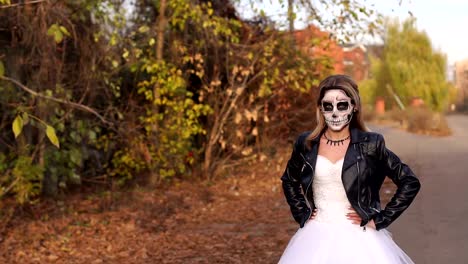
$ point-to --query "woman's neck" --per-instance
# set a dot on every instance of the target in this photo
(337, 135)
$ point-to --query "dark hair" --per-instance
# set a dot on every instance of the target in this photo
(349, 86)
(342, 82)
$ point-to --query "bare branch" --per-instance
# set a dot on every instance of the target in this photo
(57, 100)
(23, 4)
(8, 189)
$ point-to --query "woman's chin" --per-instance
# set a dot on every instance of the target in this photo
(337, 128)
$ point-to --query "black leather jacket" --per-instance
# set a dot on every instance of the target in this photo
(366, 163)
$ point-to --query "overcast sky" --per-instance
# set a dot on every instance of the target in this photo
(445, 21)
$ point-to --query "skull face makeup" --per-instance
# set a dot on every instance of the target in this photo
(337, 109)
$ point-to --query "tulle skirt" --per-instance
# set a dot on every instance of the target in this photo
(336, 243)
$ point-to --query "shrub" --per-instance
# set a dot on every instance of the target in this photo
(419, 120)
(423, 120)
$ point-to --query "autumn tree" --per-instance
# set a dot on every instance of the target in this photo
(410, 67)
(55, 89)
(345, 20)
(229, 70)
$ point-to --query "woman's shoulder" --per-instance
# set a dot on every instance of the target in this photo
(364, 135)
(373, 136)
(373, 141)
(303, 136)
(300, 142)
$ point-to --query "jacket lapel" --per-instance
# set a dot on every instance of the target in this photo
(311, 156)
(353, 155)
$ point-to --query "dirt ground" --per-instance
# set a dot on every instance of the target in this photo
(239, 219)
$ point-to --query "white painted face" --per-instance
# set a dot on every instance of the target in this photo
(337, 109)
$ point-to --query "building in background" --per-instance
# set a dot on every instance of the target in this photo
(350, 59)
(355, 61)
(319, 46)
(461, 83)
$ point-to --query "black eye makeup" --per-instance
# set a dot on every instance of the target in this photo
(342, 106)
(327, 107)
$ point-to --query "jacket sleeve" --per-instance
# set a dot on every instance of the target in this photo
(406, 181)
(292, 186)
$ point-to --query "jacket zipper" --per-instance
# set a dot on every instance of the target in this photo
(307, 189)
(359, 190)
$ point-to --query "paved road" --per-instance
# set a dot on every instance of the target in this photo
(435, 228)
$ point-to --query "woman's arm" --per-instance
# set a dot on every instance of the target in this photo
(291, 183)
(407, 185)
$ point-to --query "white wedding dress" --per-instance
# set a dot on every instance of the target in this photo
(330, 238)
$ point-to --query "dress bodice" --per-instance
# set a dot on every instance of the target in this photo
(329, 193)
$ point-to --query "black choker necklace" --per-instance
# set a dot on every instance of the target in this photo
(332, 142)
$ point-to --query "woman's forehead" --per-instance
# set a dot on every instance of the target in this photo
(335, 94)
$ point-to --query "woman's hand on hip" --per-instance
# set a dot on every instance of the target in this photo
(313, 214)
(356, 219)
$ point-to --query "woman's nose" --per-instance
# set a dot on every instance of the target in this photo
(334, 115)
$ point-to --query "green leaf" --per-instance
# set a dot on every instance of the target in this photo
(51, 30)
(125, 54)
(76, 156)
(113, 40)
(50, 132)
(143, 29)
(17, 125)
(64, 31)
(25, 117)
(92, 135)
(115, 64)
(56, 32)
(2, 69)
(58, 37)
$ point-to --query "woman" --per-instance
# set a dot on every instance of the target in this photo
(340, 168)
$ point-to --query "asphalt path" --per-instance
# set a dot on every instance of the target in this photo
(434, 229)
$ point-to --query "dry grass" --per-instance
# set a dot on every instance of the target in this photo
(423, 121)
(418, 120)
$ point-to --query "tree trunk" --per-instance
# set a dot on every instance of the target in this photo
(208, 161)
(161, 23)
(291, 22)
(216, 131)
(161, 27)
